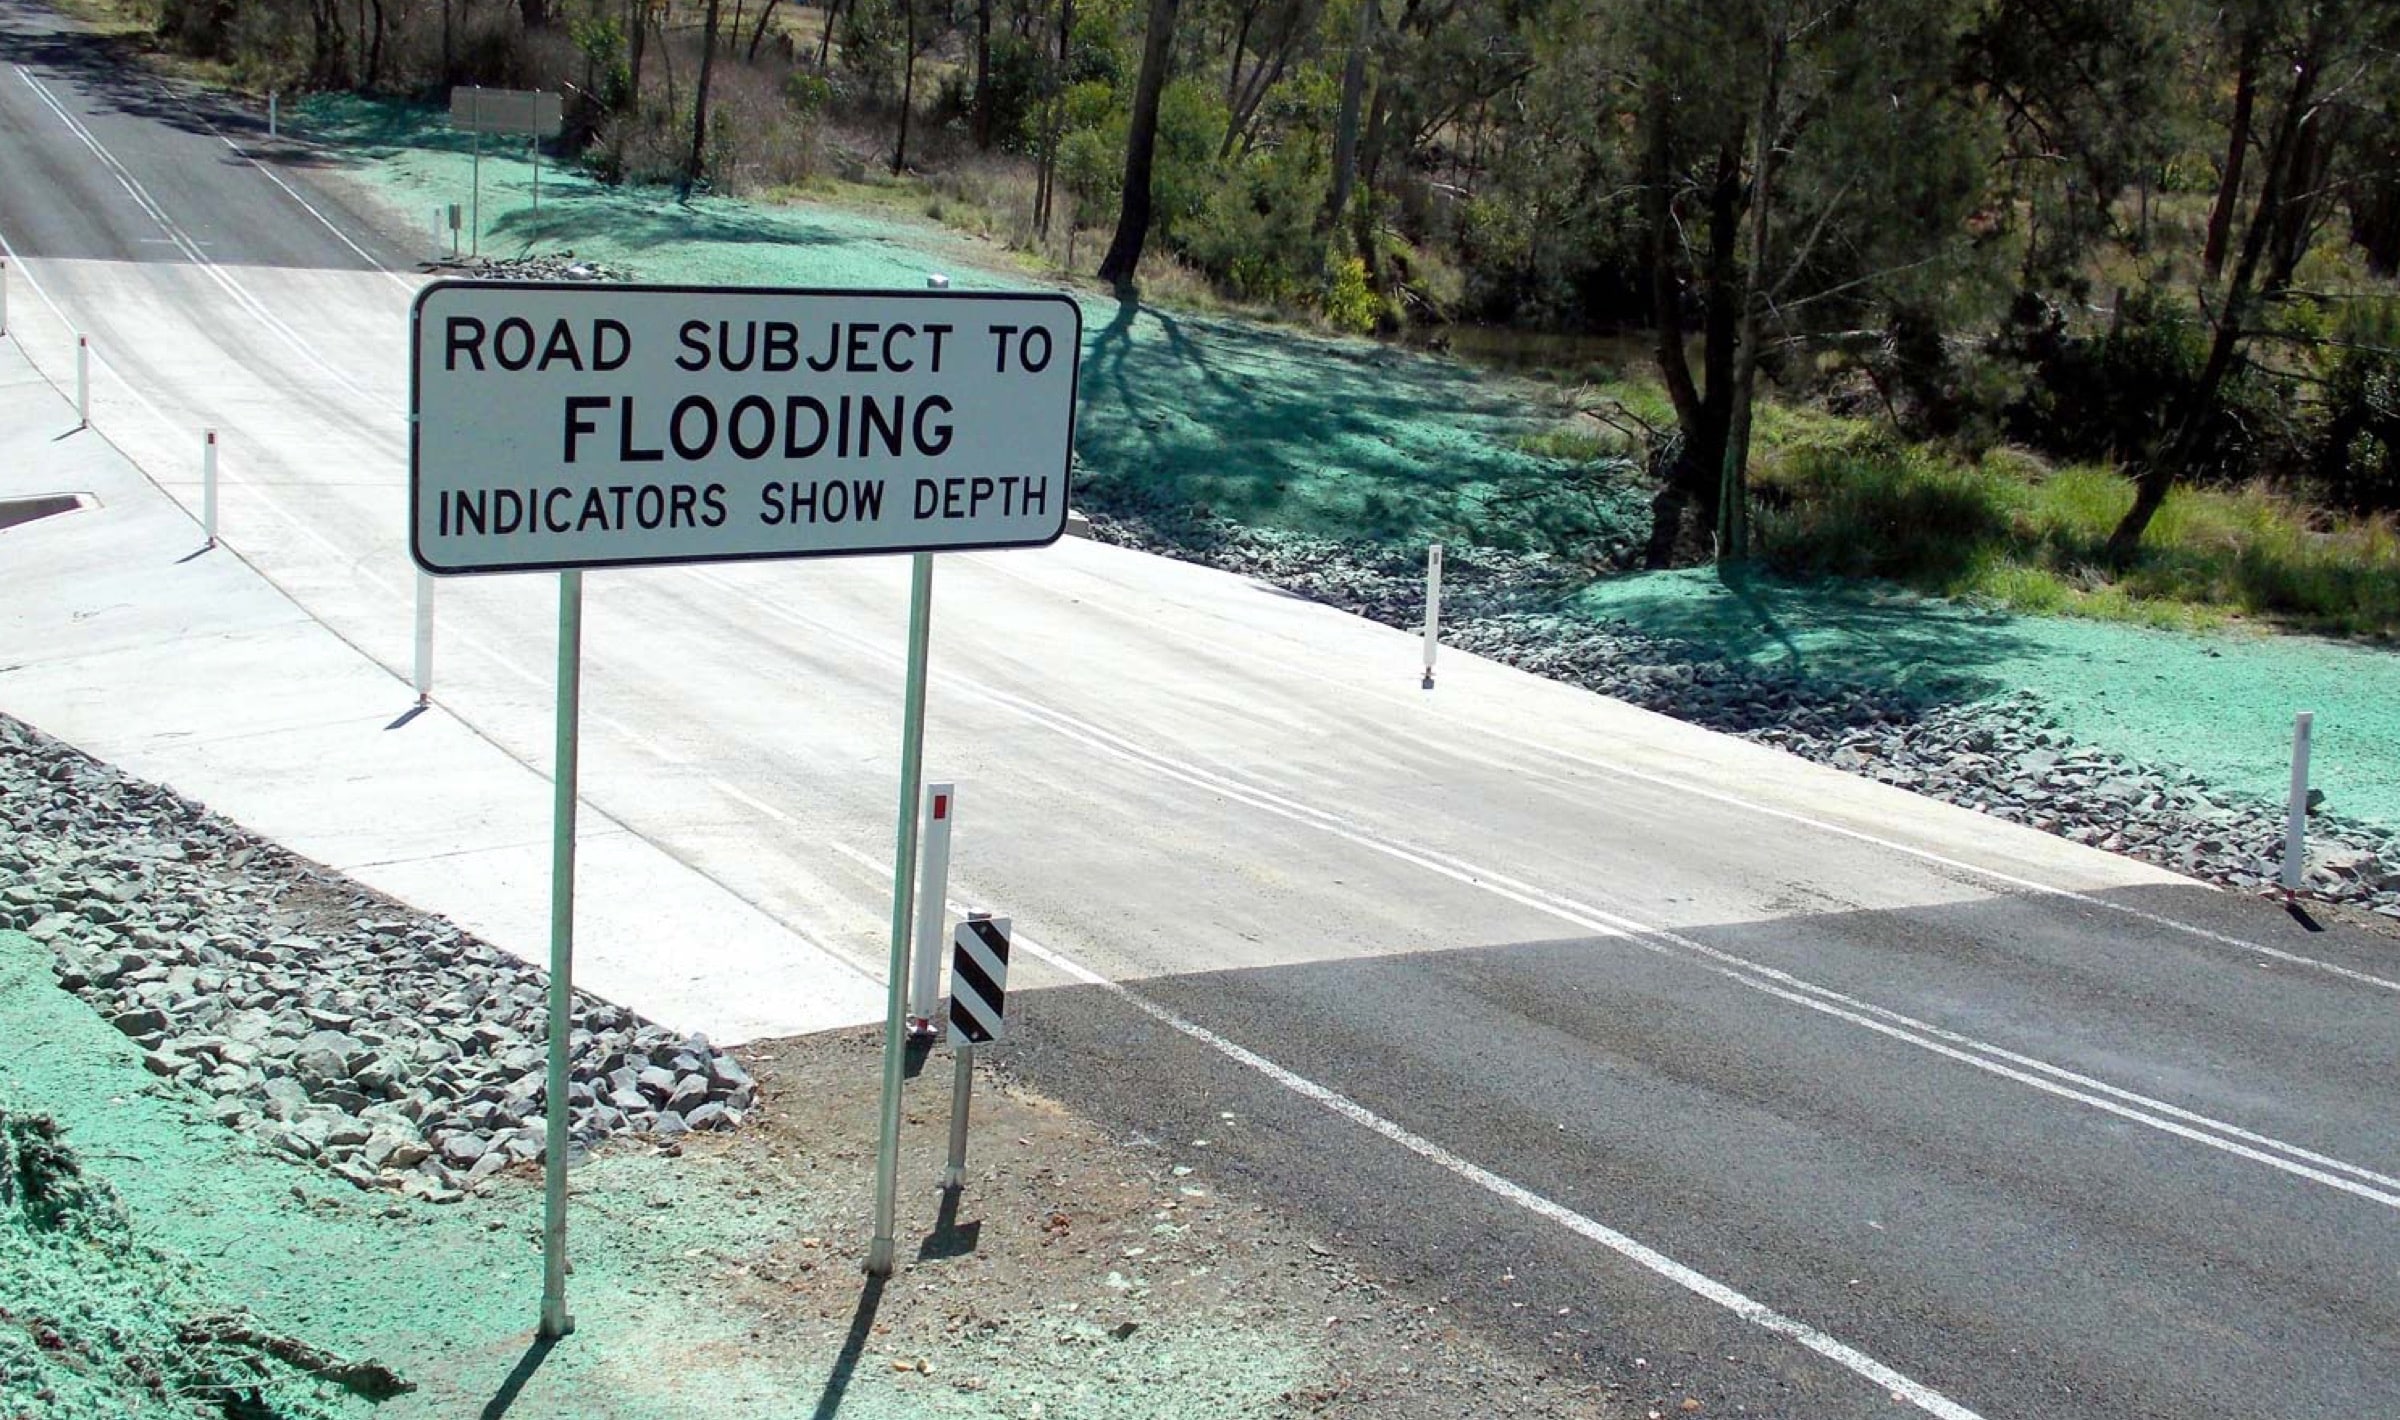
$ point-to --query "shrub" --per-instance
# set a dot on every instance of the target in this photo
(1350, 304)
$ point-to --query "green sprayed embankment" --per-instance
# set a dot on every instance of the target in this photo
(2219, 704)
(1340, 438)
(668, 1323)
(445, 1296)
(1349, 439)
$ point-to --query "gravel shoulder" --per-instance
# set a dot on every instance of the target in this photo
(716, 1271)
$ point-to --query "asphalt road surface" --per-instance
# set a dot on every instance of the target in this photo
(1662, 1057)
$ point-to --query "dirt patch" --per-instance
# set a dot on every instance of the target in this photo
(1083, 1275)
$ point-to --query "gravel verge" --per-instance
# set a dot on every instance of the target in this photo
(333, 1024)
(2003, 755)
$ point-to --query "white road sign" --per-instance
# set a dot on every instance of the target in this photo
(559, 426)
(532, 111)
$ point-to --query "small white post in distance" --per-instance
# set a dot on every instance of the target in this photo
(2295, 831)
(208, 487)
(3, 298)
(271, 114)
(1433, 608)
(424, 668)
(83, 382)
(933, 886)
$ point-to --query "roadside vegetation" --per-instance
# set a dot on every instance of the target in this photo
(2081, 305)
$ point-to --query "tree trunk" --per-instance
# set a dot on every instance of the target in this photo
(1370, 166)
(1674, 465)
(1733, 495)
(2237, 148)
(833, 9)
(708, 62)
(1141, 140)
(2375, 215)
(766, 12)
(1045, 185)
(908, 86)
(1241, 42)
(2304, 190)
(1345, 133)
(2160, 472)
(983, 76)
(638, 17)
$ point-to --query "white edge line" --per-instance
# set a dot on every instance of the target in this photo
(1757, 1313)
(1995, 1060)
(1684, 786)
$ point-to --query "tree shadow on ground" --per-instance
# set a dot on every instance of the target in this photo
(643, 221)
(1345, 439)
(1871, 632)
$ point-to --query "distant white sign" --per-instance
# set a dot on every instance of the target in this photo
(560, 426)
(533, 111)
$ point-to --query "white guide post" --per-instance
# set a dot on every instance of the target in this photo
(2295, 831)
(424, 667)
(208, 487)
(933, 887)
(3, 298)
(271, 113)
(1433, 608)
(83, 382)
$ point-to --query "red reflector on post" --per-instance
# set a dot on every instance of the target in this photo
(941, 806)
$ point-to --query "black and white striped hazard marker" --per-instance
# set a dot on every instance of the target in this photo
(978, 980)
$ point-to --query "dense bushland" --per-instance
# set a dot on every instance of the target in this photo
(2152, 235)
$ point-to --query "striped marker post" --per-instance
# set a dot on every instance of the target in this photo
(978, 1005)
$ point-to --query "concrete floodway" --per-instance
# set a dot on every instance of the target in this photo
(1832, 1093)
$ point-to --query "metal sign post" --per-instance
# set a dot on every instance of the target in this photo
(559, 426)
(475, 201)
(904, 857)
(535, 113)
(555, 1321)
(423, 678)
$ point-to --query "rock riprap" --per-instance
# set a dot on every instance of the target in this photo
(2000, 753)
(332, 1023)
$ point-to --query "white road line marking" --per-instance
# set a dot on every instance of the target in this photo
(288, 190)
(754, 802)
(1759, 1314)
(1992, 1059)
(1233, 648)
(241, 295)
